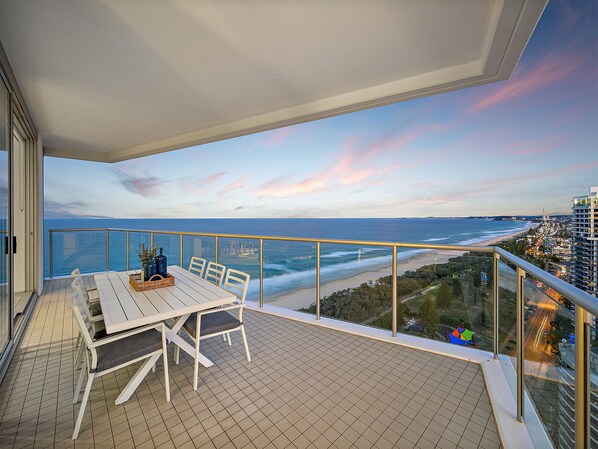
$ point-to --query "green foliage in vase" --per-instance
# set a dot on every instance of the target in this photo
(147, 253)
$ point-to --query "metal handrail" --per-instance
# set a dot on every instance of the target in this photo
(579, 297)
(483, 249)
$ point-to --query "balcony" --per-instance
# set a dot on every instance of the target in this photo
(307, 387)
(314, 381)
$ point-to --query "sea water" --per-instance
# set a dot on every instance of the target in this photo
(287, 265)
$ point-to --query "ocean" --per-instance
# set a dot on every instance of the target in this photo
(287, 265)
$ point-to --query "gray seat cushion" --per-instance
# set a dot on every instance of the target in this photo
(127, 349)
(212, 323)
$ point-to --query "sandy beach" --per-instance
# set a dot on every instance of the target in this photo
(301, 298)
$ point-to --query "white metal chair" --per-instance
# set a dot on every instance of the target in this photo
(218, 321)
(94, 312)
(92, 303)
(197, 265)
(215, 273)
(113, 352)
(76, 274)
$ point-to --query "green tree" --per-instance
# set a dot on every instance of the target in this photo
(443, 297)
(429, 315)
(457, 290)
(481, 319)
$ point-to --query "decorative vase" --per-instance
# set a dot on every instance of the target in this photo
(162, 264)
(149, 270)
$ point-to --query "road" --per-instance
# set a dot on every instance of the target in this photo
(536, 348)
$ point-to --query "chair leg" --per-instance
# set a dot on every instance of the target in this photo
(79, 384)
(245, 343)
(230, 342)
(154, 368)
(176, 354)
(80, 353)
(83, 405)
(196, 365)
(166, 377)
(78, 342)
(224, 337)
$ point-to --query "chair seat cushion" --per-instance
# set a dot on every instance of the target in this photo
(212, 323)
(126, 349)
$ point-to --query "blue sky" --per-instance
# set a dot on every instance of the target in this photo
(513, 147)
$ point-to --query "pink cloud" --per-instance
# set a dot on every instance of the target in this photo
(143, 185)
(279, 136)
(192, 184)
(231, 187)
(354, 167)
(552, 69)
(279, 188)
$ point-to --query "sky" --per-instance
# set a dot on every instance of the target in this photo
(515, 147)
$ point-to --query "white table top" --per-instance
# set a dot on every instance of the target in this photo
(124, 308)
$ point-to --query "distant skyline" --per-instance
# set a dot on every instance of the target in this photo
(509, 148)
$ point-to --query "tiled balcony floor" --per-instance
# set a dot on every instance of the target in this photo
(306, 386)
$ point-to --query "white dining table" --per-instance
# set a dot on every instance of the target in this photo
(124, 308)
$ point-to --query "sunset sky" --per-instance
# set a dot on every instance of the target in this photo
(513, 147)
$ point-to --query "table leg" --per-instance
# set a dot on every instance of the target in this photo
(172, 336)
(136, 379)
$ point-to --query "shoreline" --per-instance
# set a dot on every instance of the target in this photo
(304, 297)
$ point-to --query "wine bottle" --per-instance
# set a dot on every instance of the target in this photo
(162, 264)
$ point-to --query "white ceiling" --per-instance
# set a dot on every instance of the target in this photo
(110, 80)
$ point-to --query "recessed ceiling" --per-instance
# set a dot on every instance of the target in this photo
(112, 80)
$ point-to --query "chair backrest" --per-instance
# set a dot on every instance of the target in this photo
(77, 304)
(237, 282)
(79, 287)
(197, 265)
(79, 284)
(215, 273)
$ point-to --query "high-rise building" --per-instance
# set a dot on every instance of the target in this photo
(584, 250)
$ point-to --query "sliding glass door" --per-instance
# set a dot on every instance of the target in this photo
(5, 281)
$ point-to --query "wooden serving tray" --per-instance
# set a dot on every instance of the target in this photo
(156, 281)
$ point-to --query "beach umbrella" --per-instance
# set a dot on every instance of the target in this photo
(462, 336)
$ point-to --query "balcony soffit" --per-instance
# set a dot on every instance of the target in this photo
(110, 80)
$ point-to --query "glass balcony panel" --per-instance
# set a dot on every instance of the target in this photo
(355, 284)
(242, 255)
(289, 275)
(118, 250)
(85, 250)
(453, 300)
(195, 246)
(549, 362)
(135, 240)
(170, 244)
(507, 323)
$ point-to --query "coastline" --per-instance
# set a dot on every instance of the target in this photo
(302, 298)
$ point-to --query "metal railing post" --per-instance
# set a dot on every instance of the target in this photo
(51, 243)
(107, 250)
(495, 307)
(216, 249)
(394, 291)
(181, 250)
(261, 272)
(520, 342)
(317, 280)
(582, 378)
(151, 239)
(128, 249)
